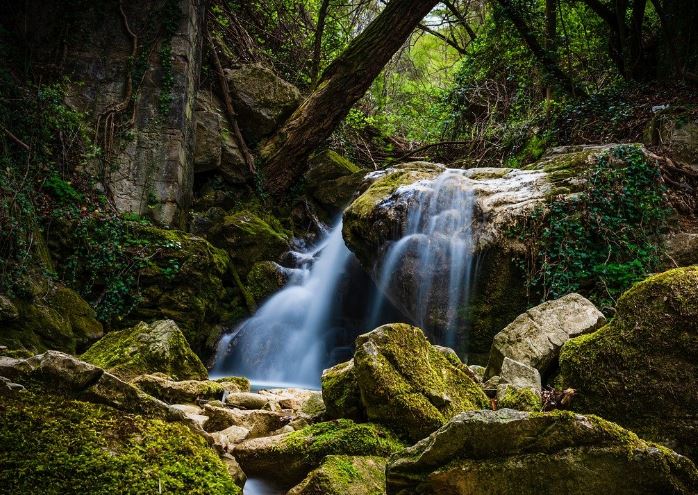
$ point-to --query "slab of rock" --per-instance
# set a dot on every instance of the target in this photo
(158, 347)
(192, 413)
(248, 400)
(296, 400)
(232, 435)
(259, 423)
(332, 180)
(172, 392)
(408, 384)
(288, 458)
(234, 469)
(640, 370)
(536, 337)
(520, 375)
(513, 452)
(344, 475)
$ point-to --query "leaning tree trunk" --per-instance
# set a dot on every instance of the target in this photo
(340, 86)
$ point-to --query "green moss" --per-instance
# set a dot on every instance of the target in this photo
(54, 446)
(145, 349)
(263, 279)
(340, 392)
(240, 382)
(345, 475)
(342, 436)
(633, 369)
(521, 399)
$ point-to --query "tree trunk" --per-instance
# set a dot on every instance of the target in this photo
(317, 44)
(550, 45)
(342, 84)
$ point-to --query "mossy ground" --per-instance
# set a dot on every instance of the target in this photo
(51, 445)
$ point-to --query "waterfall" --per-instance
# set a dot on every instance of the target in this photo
(287, 339)
(434, 256)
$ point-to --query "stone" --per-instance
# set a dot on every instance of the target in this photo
(682, 249)
(344, 475)
(478, 370)
(332, 180)
(506, 451)
(520, 375)
(192, 413)
(675, 130)
(259, 423)
(536, 337)
(296, 400)
(58, 319)
(158, 347)
(9, 387)
(519, 398)
(261, 98)
(229, 437)
(179, 391)
(340, 392)
(301, 451)
(639, 370)
(234, 469)
(248, 400)
(409, 385)
(265, 278)
(234, 383)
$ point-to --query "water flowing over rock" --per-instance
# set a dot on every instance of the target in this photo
(286, 341)
(512, 452)
(438, 241)
(640, 370)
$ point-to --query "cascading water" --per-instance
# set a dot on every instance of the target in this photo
(434, 256)
(287, 340)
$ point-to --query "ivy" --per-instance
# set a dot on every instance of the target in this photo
(601, 241)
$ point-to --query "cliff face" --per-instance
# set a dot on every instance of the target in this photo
(133, 68)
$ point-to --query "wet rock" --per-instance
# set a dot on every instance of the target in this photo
(265, 278)
(262, 99)
(184, 391)
(301, 451)
(535, 337)
(344, 475)
(506, 451)
(158, 347)
(639, 369)
(409, 385)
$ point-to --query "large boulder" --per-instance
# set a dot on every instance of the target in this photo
(536, 337)
(344, 475)
(640, 369)
(174, 392)
(512, 452)
(416, 222)
(408, 384)
(156, 348)
(261, 98)
(340, 392)
(301, 451)
(332, 180)
(56, 318)
(53, 444)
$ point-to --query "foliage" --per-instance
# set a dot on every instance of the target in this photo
(54, 445)
(605, 238)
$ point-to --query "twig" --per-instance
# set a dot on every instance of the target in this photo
(15, 138)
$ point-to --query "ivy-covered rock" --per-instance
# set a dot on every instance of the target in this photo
(156, 348)
(50, 444)
(409, 385)
(513, 452)
(303, 450)
(344, 475)
(639, 370)
(53, 318)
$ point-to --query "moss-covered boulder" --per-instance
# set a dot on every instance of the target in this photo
(332, 180)
(340, 392)
(639, 370)
(53, 318)
(265, 278)
(344, 475)
(248, 238)
(288, 458)
(185, 391)
(512, 452)
(409, 385)
(519, 398)
(53, 445)
(187, 280)
(156, 348)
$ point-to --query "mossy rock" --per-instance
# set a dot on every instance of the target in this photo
(240, 382)
(178, 392)
(340, 392)
(637, 369)
(345, 475)
(519, 398)
(332, 180)
(60, 319)
(53, 445)
(409, 385)
(144, 349)
(301, 451)
(514, 452)
(265, 278)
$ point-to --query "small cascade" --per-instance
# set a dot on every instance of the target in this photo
(434, 256)
(288, 339)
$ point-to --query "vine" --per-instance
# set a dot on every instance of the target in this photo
(602, 240)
